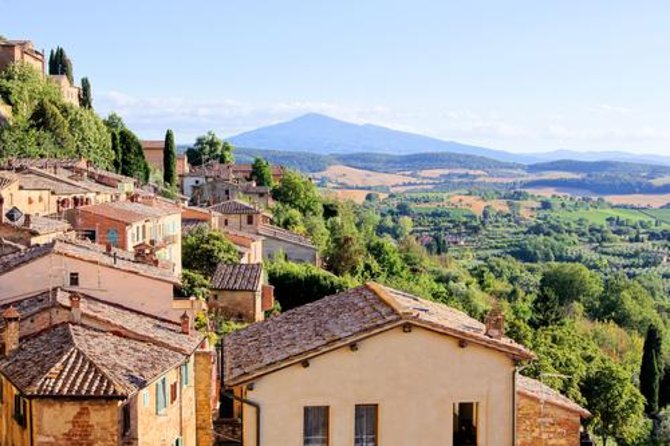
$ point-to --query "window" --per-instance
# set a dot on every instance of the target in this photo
(74, 279)
(315, 429)
(126, 419)
(185, 371)
(365, 433)
(145, 397)
(20, 410)
(161, 395)
(465, 424)
(173, 392)
(113, 237)
(225, 222)
(178, 442)
(250, 219)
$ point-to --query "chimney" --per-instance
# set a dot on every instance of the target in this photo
(11, 334)
(495, 324)
(75, 308)
(185, 323)
(27, 221)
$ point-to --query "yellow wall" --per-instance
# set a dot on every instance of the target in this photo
(415, 378)
(10, 432)
(178, 418)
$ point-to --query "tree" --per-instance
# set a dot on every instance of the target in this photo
(60, 64)
(193, 284)
(203, 249)
(261, 172)
(616, 404)
(85, 95)
(650, 370)
(118, 160)
(299, 193)
(133, 162)
(210, 147)
(169, 160)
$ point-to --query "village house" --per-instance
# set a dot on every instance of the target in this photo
(15, 51)
(69, 92)
(238, 216)
(215, 171)
(250, 246)
(29, 230)
(244, 172)
(142, 224)
(104, 272)
(240, 292)
(352, 368)
(77, 370)
(217, 191)
(154, 154)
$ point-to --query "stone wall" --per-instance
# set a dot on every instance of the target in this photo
(545, 424)
(205, 396)
(76, 423)
(237, 305)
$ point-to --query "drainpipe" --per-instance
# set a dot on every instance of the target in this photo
(30, 408)
(257, 408)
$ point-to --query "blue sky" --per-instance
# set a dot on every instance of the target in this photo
(519, 75)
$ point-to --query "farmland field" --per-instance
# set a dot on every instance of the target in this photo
(600, 216)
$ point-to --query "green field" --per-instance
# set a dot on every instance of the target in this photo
(600, 216)
(660, 214)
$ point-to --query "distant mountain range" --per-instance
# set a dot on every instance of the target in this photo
(323, 135)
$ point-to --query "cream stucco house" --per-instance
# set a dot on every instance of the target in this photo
(370, 366)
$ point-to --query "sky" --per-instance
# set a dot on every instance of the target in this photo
(517, 75)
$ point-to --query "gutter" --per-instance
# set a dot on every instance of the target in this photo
(257, 408)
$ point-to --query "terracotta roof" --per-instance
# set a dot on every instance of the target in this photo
(189, 224)
(237, 277)
(242, 234)
(338, 319)
(6, 179)
(88, 252)
(542, 392)
(32, 180)
(276, 169)
(130, 212)
(234, 207)
(153, 144)
(74, 360)
(271, 231)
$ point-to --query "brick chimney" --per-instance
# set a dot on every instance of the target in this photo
(185, 323)
(75, 308)
(27, 221)
(495, 324)
(11, 334)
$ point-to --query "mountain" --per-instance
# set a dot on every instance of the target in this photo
(324, 135)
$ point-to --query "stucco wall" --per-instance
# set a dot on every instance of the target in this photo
(545, 424)
(11, 433)
(76, 423)
(294, 252)
(131, 290)
(415, 378)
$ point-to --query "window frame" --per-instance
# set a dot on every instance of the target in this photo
(376, 424)
(327, 426)
(73, 279)
(476, 412)
(161, 389)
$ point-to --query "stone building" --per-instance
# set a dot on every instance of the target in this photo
(217, 191)
(240, 292)
(352, 368)
(141, 223)
(154, 154)
(29, 230)
(544, 414)
(76, 370)
(239, 216)
(14, 51)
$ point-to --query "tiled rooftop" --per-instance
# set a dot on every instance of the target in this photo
(75, 360)
(234, 207)
(542, 392)
(273, 231)
(130, 212)
(336, 319)
(42, 225)
(237, 277)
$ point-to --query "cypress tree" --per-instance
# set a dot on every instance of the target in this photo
(85, 97)
(133, 163)
(650, 370)
(169, 159)
(52, 62)
(116, 148)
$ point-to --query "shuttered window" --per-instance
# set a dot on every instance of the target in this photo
(161, 395)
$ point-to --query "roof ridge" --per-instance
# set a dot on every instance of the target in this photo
(389, 300)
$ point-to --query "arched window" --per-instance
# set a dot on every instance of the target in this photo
(113, 237)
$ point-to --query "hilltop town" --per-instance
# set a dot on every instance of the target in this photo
(150, 297)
